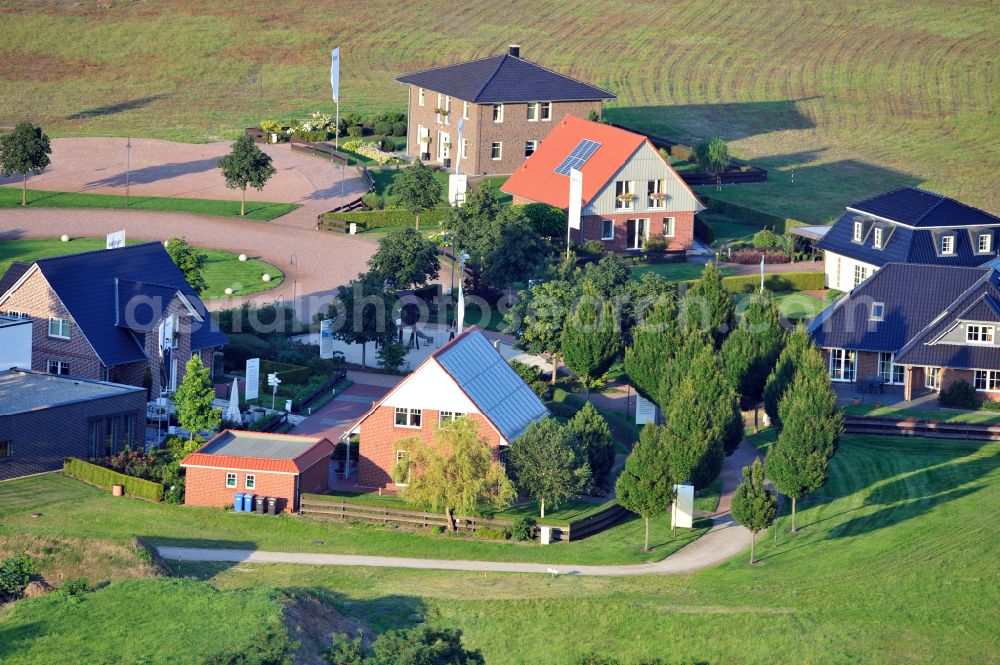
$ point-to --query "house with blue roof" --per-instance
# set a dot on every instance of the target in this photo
(921, 327)
(123, 315)
(907, 225)
(465, 378)
(504, 105)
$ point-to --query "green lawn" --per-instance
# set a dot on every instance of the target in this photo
(675, 272)
(495, 183)
(726, 229)
(796, 305)
(262, 211)
(384, 177)
(946, 415)
(222, 269)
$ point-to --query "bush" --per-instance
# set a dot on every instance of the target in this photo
(753, 256)
(959, 395)
(382, 127)
(76, 587)
(990, 406)
(656, 246)
(355, 131)
(682, 152)
(101, 477)
(522, 529)
(702, 230)
(594, 248)
(399, 128)
(493, 534)
(765, 238)
(15, 573)
(392, 218)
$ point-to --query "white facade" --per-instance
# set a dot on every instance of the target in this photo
(645, 165)
(844, 273)
(430, 387)
(15, 342)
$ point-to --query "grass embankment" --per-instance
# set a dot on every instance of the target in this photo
(261, 211)
(944, 415)
(222, 269)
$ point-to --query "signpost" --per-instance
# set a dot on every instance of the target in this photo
(253, 379)
(457, 186)
(682, 512)
(326, 339)
(274, 382)
(645, 410)
(116, 240)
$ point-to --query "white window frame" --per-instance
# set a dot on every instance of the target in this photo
(658, 187)
(449, 416)
(611, 225)
(437, 109)
(447, 109)
(532, 111)
(888, 370)
(498, 113)
(496, 149)
(860, 274)
(624, 187)
(932, 378)
(987, 246)
(465, 148)
(877, 238)
(980, 334)
(411, 415)
(641, 234)
(986, 380)
(859, 231)
(250, 481)
(420, 96)
(534, 146)
(669, 227)
(64, 329)
(947, 245)
(877, 312)
(465, 110)
(843, 365)
(545, 111)
(232, 479)
(59, 365)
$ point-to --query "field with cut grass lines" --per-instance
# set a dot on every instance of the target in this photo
(851, 97)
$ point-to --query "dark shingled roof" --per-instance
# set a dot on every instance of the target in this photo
(13, 274)
(502, 79)
(918, 207)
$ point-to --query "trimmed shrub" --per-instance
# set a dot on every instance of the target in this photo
(765, 238)
(751, 216)
(656, 246)
(382, 127)
(990, 406)
(959, 395)
(101, 477)
(492, 534)
(399, 128)
(522, 529)
(594, 248)
(703, 231)
(391, 218)
(752, 256)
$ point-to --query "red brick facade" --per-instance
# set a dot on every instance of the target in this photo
(207, 486)
(682, 238)
(380, 440)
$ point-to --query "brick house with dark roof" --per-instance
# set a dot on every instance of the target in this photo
(615, 164)
(906, 225)
(922, 327)
(506, 105)
(465, 378)
(124, 315)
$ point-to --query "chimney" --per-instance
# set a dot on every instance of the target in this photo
(514, 50)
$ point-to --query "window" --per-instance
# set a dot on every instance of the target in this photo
(251, 482)
(17, 315)
(110, 436)
(655, 194)
(94, 436)
(407, 417)
(420, 96)
(503, 455)
(449, 416)
(878, 311)
(668, 227)
(878, 238)
(979, 334)
(985, 243)
(636, 232)
(231, 480)
(887, 368)
(607, 229)
(465, 110)
(59, 328)
(987, 380)
(947, 244)
(439, 108)
(498, 113)
(860, 274)
(545, 111)
(447, 110)
(530, 147)
(843, 364)
(6, 449)
(533, 112)
(859, 229)
(624, 196)
(496, 151)
(58, 367)
(931, 377)
(129, 430)
(465, 148)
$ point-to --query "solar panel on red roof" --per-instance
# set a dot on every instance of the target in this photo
(576, 159)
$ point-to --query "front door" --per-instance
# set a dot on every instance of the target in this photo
(635, 233)
(444, 146)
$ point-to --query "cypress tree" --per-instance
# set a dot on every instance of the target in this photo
(781, 376)
(749, 353)
(709, 306)
(655, 343)
(753, 506)
(594, 438)
(645, 487)
(591, 339)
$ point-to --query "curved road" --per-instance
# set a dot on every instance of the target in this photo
(724, 540)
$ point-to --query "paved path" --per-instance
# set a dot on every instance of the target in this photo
(724, 540)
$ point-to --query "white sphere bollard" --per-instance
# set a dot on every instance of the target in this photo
(229, 291)
(243, 257)
(64, 238)
(266, 277)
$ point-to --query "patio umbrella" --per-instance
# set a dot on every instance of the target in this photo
(233, 410)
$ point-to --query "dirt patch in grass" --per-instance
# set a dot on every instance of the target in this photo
(311, 619)
(98, 560)
(21, 66)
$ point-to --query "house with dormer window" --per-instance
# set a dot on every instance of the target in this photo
(908, 225)
(920, 327)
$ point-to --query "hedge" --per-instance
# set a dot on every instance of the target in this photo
(390, 218)
(782, 282)
(751, 216)
(288, 373)
(93, 474)
(703, 231)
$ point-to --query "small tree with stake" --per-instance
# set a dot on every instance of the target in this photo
(548, 464)
(25, 150)
(645, 486)
(246, 165)
(753, 506)
(193, 399)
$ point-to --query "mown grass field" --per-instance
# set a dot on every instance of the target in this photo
(222, 269)
(851, 97)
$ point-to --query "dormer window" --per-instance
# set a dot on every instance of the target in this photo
(947, 245)
(985, 243)
(878, 311)
(878, 238)
(979, 334)
(859, 229)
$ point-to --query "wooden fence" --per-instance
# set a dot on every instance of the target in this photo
(925, 428)
(323, 389)
(751, 175)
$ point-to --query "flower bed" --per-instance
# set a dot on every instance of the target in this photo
(369, 150)
(751, 256)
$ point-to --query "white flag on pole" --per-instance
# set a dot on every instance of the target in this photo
(460, 318)
(762, 274)
(575, 197)
(461, 126)
(335, 73)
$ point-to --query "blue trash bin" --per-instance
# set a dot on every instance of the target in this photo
(248, 502)
(238, 502)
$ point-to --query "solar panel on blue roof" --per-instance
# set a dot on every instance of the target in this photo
(576, 159)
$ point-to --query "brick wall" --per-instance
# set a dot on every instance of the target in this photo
(43, 439)
(683, 229)
(207, 487)
(380, 439)
(950, 376)
(316, 479)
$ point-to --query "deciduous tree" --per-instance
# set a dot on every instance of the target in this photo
(25, 150)
(194, 397)
(406, 259)
(537, 320)
(416, 189)
(592, 433)
(645, 485)
(753, 506)
(362, 313)
(591, 339)
(246, 165)
(189, 260)
(548, 464)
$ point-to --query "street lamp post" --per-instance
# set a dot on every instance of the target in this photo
(294, 262)
(128, 167)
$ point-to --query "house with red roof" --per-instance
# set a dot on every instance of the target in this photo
(631, 194)
(465, 378)
(281, 466)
